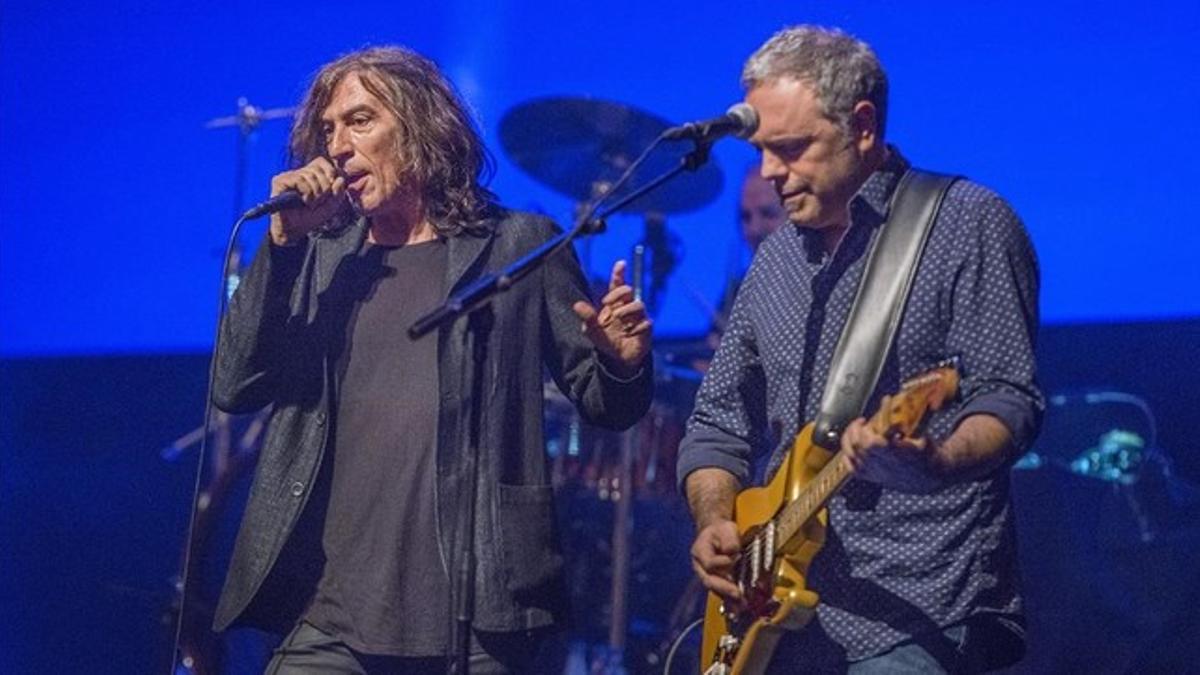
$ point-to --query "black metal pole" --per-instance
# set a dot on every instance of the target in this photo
(463, 589)
(490, 284)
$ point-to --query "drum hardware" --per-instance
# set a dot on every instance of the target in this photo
(1120, 424)
(579, 147)
(247, 120)
(197, 650)
(1117, 457)
(1117, 431)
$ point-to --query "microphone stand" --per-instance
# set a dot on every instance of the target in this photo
(494, 283)
(467, 301)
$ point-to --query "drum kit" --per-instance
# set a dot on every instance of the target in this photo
(625, 531)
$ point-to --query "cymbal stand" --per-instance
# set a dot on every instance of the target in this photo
(663, 246)
(247, 120)
(621, 493)
(599, 189)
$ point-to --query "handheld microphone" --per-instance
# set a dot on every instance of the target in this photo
(740, 120)
(288, 199)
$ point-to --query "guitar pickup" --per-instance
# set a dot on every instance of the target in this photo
(755, 560)
(769, 541)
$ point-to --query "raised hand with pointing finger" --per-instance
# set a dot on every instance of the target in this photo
(620, 329)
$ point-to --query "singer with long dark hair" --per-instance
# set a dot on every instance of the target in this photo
(354, 516)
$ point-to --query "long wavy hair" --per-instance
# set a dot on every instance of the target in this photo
(438, 144)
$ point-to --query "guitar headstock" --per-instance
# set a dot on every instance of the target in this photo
(919, 395)
(939, 384)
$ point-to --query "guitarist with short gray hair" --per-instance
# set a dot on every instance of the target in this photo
(905, 559)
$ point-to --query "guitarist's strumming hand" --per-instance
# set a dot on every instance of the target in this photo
(711, 493)
(887, 458)
(714, 553)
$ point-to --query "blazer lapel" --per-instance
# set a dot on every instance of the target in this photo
(462, 253)
(338, 247)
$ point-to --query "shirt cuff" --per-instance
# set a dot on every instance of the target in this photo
(704, 449)
(1014, 411)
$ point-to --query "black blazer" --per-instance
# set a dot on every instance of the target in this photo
(274, 350)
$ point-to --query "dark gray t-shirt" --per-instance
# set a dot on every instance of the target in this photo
(385, 589)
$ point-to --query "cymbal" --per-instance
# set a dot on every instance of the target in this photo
(580, 146)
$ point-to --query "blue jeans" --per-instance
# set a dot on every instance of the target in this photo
(985, 642)
(911, 657)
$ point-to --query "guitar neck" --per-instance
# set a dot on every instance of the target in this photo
(823, 486)
(899, 418)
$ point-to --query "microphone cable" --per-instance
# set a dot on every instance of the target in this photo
(185, 572)
(679, 641)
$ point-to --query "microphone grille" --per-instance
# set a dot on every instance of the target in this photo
(747, 118)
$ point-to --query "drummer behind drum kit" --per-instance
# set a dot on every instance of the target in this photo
(624, 581)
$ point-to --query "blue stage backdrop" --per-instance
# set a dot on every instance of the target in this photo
(115, 201)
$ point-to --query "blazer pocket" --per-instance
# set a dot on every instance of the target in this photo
(532, 560)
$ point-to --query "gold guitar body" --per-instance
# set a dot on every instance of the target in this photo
(782, 603)
(782, 527)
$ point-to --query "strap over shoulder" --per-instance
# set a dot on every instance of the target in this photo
(879, 304)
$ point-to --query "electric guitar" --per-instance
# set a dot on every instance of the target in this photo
(782, 526)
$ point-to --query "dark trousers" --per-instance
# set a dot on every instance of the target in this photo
(309, 651)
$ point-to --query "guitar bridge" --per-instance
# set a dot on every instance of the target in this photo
(731, 617)
(727, 646)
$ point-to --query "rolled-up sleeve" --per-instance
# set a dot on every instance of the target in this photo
(724, 428)
(994, 324)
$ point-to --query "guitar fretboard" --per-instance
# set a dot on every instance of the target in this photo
(823, 485)
(915, 398)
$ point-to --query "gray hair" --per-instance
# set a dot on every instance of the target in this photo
(841, 69)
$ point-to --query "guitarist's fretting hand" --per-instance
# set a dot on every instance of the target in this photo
(714, 554)
(897, 462)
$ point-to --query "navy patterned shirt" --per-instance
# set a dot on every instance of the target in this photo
(895, 564)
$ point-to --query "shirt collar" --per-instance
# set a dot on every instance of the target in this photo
(870, 204)
(876, 192)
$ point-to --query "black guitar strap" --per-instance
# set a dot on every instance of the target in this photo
(879, 304)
